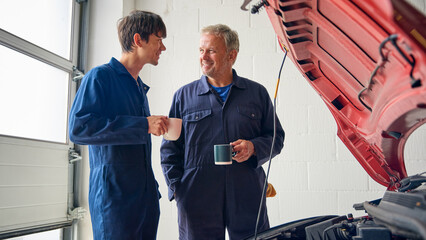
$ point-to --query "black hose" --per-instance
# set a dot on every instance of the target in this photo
(272, 148)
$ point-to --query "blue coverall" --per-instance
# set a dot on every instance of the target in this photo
(209, 197)
(109, 114)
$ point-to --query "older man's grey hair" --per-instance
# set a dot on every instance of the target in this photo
(230, 36)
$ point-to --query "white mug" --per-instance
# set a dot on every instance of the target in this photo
(174, 127)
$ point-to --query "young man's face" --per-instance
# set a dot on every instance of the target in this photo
(215, 60)
(153, 49)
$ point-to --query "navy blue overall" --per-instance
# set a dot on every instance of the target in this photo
(109, 114)
(212, 198)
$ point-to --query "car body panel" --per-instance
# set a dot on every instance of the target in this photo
(366, 59)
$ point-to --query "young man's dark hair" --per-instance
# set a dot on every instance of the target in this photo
(142, 22)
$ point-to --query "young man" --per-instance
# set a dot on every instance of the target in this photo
(111, 114)
(219, 108)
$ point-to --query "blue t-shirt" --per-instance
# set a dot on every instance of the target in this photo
(223, 91)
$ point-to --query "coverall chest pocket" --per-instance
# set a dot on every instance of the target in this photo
(198, 126)
(250, 119)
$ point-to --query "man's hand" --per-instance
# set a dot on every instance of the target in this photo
(157, 125)
(244, 150)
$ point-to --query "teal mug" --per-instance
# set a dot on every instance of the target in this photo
(223, 154)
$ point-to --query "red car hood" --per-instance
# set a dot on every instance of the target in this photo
(366, 59)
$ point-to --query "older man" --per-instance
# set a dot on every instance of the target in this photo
(221, 107)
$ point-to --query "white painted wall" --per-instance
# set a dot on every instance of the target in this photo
(315, 174)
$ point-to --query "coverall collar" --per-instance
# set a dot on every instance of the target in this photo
(121, 70)
(205, 87)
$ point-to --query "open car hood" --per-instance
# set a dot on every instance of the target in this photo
(366, 59)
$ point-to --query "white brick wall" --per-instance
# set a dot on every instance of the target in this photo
(315, 174)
